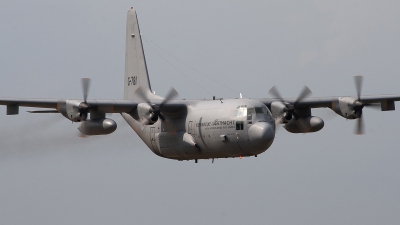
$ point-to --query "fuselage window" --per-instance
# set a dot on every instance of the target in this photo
(239, 125)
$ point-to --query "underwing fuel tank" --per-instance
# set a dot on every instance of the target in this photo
(304, 125)
(98, 126)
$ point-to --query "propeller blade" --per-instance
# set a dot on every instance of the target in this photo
(85, 87)
(358, 80)
(359, 127)
(155, 110)
(161, 117)
(275, 93)
(172, 93)
(303, 94)
(139, 93)
(289, 109)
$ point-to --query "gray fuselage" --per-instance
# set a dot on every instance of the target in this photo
(210, 129)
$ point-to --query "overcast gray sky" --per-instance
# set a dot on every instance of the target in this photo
(50, 176)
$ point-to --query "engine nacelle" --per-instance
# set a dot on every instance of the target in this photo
(304, 125)
(98, 126)
(145, 114)
(347, 107)
(70, 110)
(279, 109)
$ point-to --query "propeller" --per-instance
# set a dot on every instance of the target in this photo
(84, 108)
(155, 110)
(358, 105)
(289, 109)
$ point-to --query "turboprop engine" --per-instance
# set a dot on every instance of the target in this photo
(297, 118)
(304, 124)
(148, 114)
(348, 107)
(74, 110)
(98, 126)
(281, 111)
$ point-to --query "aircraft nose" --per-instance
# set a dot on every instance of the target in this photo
(261, 135)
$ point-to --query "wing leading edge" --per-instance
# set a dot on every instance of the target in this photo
(326, 102)
(105, 106)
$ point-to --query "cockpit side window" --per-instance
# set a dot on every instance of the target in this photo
(250, 113)
(265, 110)
(262, 110)
(259, 110)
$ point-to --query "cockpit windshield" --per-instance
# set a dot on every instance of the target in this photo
(243, 110)
(240, 111)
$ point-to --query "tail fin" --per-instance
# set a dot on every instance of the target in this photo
(136, 74)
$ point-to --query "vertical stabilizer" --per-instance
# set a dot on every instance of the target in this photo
(136, 74)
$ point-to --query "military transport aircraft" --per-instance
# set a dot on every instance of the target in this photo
(198, 129)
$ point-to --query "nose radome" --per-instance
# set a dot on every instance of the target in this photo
(261, 135)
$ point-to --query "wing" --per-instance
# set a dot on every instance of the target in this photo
(328, 102)
(72, 109)
(284, 109)
(105, 106)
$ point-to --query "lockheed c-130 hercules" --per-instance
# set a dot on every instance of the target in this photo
(198, 129)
